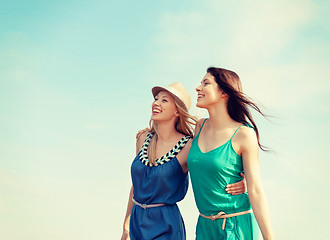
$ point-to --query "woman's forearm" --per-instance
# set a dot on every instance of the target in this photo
(260, 209)
(128, 211)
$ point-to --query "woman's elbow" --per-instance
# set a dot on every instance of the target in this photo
(255, 191)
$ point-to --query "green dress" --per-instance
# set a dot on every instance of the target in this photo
(210, 173)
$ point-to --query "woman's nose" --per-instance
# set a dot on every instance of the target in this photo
(198, 88)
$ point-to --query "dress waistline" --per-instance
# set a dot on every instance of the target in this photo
(224, 216)
(145, 206)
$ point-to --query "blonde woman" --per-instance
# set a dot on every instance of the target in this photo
(159, 171)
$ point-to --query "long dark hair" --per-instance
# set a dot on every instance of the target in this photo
(238, 103)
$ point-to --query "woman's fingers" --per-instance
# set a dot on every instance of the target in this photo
(141, 131)
(236, 188)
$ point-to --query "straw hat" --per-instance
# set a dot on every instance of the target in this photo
(178, 91)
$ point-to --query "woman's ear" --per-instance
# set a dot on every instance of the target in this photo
(223, 94)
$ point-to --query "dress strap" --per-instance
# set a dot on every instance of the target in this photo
(202, 126)
(236, 132)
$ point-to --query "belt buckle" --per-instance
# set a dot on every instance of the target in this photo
(144, 206)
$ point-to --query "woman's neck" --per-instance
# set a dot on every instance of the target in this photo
(219, 117)
(167, 131)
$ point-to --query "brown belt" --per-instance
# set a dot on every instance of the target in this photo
(225, 216)
(145, 206)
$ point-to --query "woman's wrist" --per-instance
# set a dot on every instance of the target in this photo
(269, 237)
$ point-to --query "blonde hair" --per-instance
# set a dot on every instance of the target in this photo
(184, 124)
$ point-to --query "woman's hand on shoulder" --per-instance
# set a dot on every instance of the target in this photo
(140, 140)
(142, 131)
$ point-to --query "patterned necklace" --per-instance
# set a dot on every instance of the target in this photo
(165, 158)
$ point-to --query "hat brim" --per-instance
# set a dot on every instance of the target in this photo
(157, 89)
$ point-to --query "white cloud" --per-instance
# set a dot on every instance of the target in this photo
(249, 37)
(264, 28)
(286, 86)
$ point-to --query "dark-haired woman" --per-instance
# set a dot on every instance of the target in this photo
(226, 144)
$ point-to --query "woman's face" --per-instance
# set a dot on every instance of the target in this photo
(208, 92)
(163, 107)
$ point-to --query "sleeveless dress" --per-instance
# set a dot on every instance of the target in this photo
(210, 173)
(164, 183)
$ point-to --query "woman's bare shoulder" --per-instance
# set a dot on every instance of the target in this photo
(247, 136)
(247, 132)
(198, 125)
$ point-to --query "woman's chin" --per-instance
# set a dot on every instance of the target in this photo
(155, 118)
(200, 105)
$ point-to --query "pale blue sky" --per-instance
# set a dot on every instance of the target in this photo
(75, 87)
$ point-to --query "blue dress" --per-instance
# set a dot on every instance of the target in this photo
(165, 183)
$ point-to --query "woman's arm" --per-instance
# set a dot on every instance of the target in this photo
(125, 235)
(130, 204)
(250, 157)
(182, 156)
